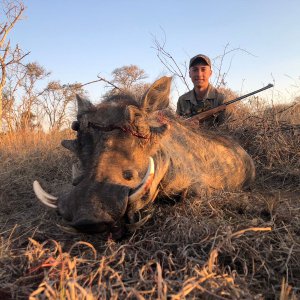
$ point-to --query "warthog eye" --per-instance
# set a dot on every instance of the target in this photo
(128, 174)
(75, 125)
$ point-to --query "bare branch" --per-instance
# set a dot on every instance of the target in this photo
(108, 82)
(219, 63)
(90, 82)
(168, 60)
(18, 10)
(3, 29)
(17, 60)
(13, 11)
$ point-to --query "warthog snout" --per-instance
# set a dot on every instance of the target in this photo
(97, 207)
(89, 226)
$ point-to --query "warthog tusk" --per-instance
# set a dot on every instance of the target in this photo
(43, 196)
(68, 229)
(137, 225)
(145, 184)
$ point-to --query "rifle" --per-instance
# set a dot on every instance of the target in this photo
(201, 116)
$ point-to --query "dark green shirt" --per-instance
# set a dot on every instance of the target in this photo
(188, 105)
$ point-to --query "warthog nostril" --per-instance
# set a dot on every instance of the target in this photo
(90, 226)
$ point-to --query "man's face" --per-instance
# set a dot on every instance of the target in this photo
(200, 74)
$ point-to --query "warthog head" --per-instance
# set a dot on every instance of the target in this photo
(121, 163)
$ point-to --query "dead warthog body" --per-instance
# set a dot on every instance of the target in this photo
(132, 151)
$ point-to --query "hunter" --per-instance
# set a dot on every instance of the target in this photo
(203, 96)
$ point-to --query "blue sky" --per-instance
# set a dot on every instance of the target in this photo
(77, 40)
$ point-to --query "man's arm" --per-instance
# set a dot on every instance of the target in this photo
(179, 110)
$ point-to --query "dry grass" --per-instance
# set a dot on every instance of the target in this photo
(228, 246)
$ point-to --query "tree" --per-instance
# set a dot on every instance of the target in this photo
(20, 96)
(9, 56)
(27, 107)
(55, 101)
(128, 76)
(27, 121)
(127, 79)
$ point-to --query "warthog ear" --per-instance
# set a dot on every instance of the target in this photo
(84, 105)
(70, 145)
(157, 96)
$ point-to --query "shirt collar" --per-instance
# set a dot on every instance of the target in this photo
(210, 94)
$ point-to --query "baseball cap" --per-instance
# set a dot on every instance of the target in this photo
(199, 58)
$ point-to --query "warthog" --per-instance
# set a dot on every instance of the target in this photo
(132, 151)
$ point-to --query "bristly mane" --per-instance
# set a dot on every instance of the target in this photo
(122, 99)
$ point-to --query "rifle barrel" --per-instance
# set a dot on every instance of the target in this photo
(206, 113)
(250, 94)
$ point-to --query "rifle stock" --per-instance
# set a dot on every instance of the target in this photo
(202, 116)
(208, 113)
